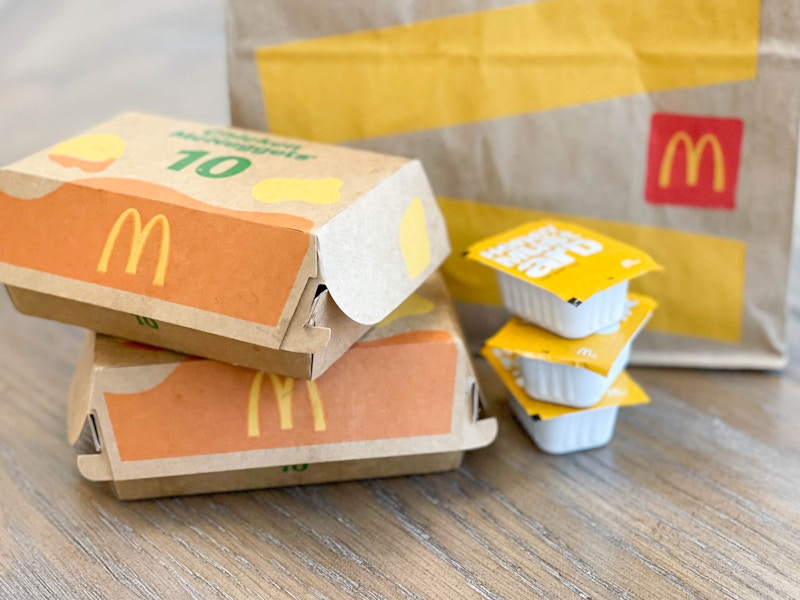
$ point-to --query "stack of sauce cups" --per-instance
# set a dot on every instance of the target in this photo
(564, 353)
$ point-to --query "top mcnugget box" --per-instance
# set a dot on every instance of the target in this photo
(247, 248)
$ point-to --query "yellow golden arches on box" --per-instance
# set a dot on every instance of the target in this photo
(139, 237)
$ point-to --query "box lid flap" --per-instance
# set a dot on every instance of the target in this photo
(405, 242)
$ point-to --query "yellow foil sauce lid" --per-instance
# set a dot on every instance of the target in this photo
(572, 262)
(596, 352)
(623, 392)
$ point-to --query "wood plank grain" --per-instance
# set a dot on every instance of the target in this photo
(696, 496)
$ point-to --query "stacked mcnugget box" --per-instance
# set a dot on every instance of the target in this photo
(268, 257)
(563, 355)
(402, 400)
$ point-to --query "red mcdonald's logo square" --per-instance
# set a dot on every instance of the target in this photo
(693, 161)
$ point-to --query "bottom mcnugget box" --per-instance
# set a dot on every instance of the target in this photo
(403, 400)
(560, 429)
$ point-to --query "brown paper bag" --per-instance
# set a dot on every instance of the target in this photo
(669, 124)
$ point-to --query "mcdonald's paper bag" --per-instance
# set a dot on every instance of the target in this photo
(402, 400)
(668, 124)
(257, 250)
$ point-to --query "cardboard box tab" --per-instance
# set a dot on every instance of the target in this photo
(402, 400)
(177, 234)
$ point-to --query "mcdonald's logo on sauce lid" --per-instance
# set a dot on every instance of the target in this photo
(693, 161)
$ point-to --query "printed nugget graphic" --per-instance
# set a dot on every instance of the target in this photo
(90, 153)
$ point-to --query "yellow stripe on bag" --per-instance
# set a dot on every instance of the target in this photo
(700, 293)
(502, 62)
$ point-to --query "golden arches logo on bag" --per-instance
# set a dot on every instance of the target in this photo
(693, 160)
(694, 154)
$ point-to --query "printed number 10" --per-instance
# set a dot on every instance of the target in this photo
(213, 167)
(151, 323)
(295, 468)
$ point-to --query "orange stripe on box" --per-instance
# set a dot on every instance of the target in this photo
(392, 388)
(173, 248)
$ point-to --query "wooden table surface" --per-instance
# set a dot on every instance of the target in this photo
(698, 494)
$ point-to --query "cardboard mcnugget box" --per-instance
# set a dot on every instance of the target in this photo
(251, 249)
(402, 400)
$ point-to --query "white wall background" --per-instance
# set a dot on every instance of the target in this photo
(66, 65)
